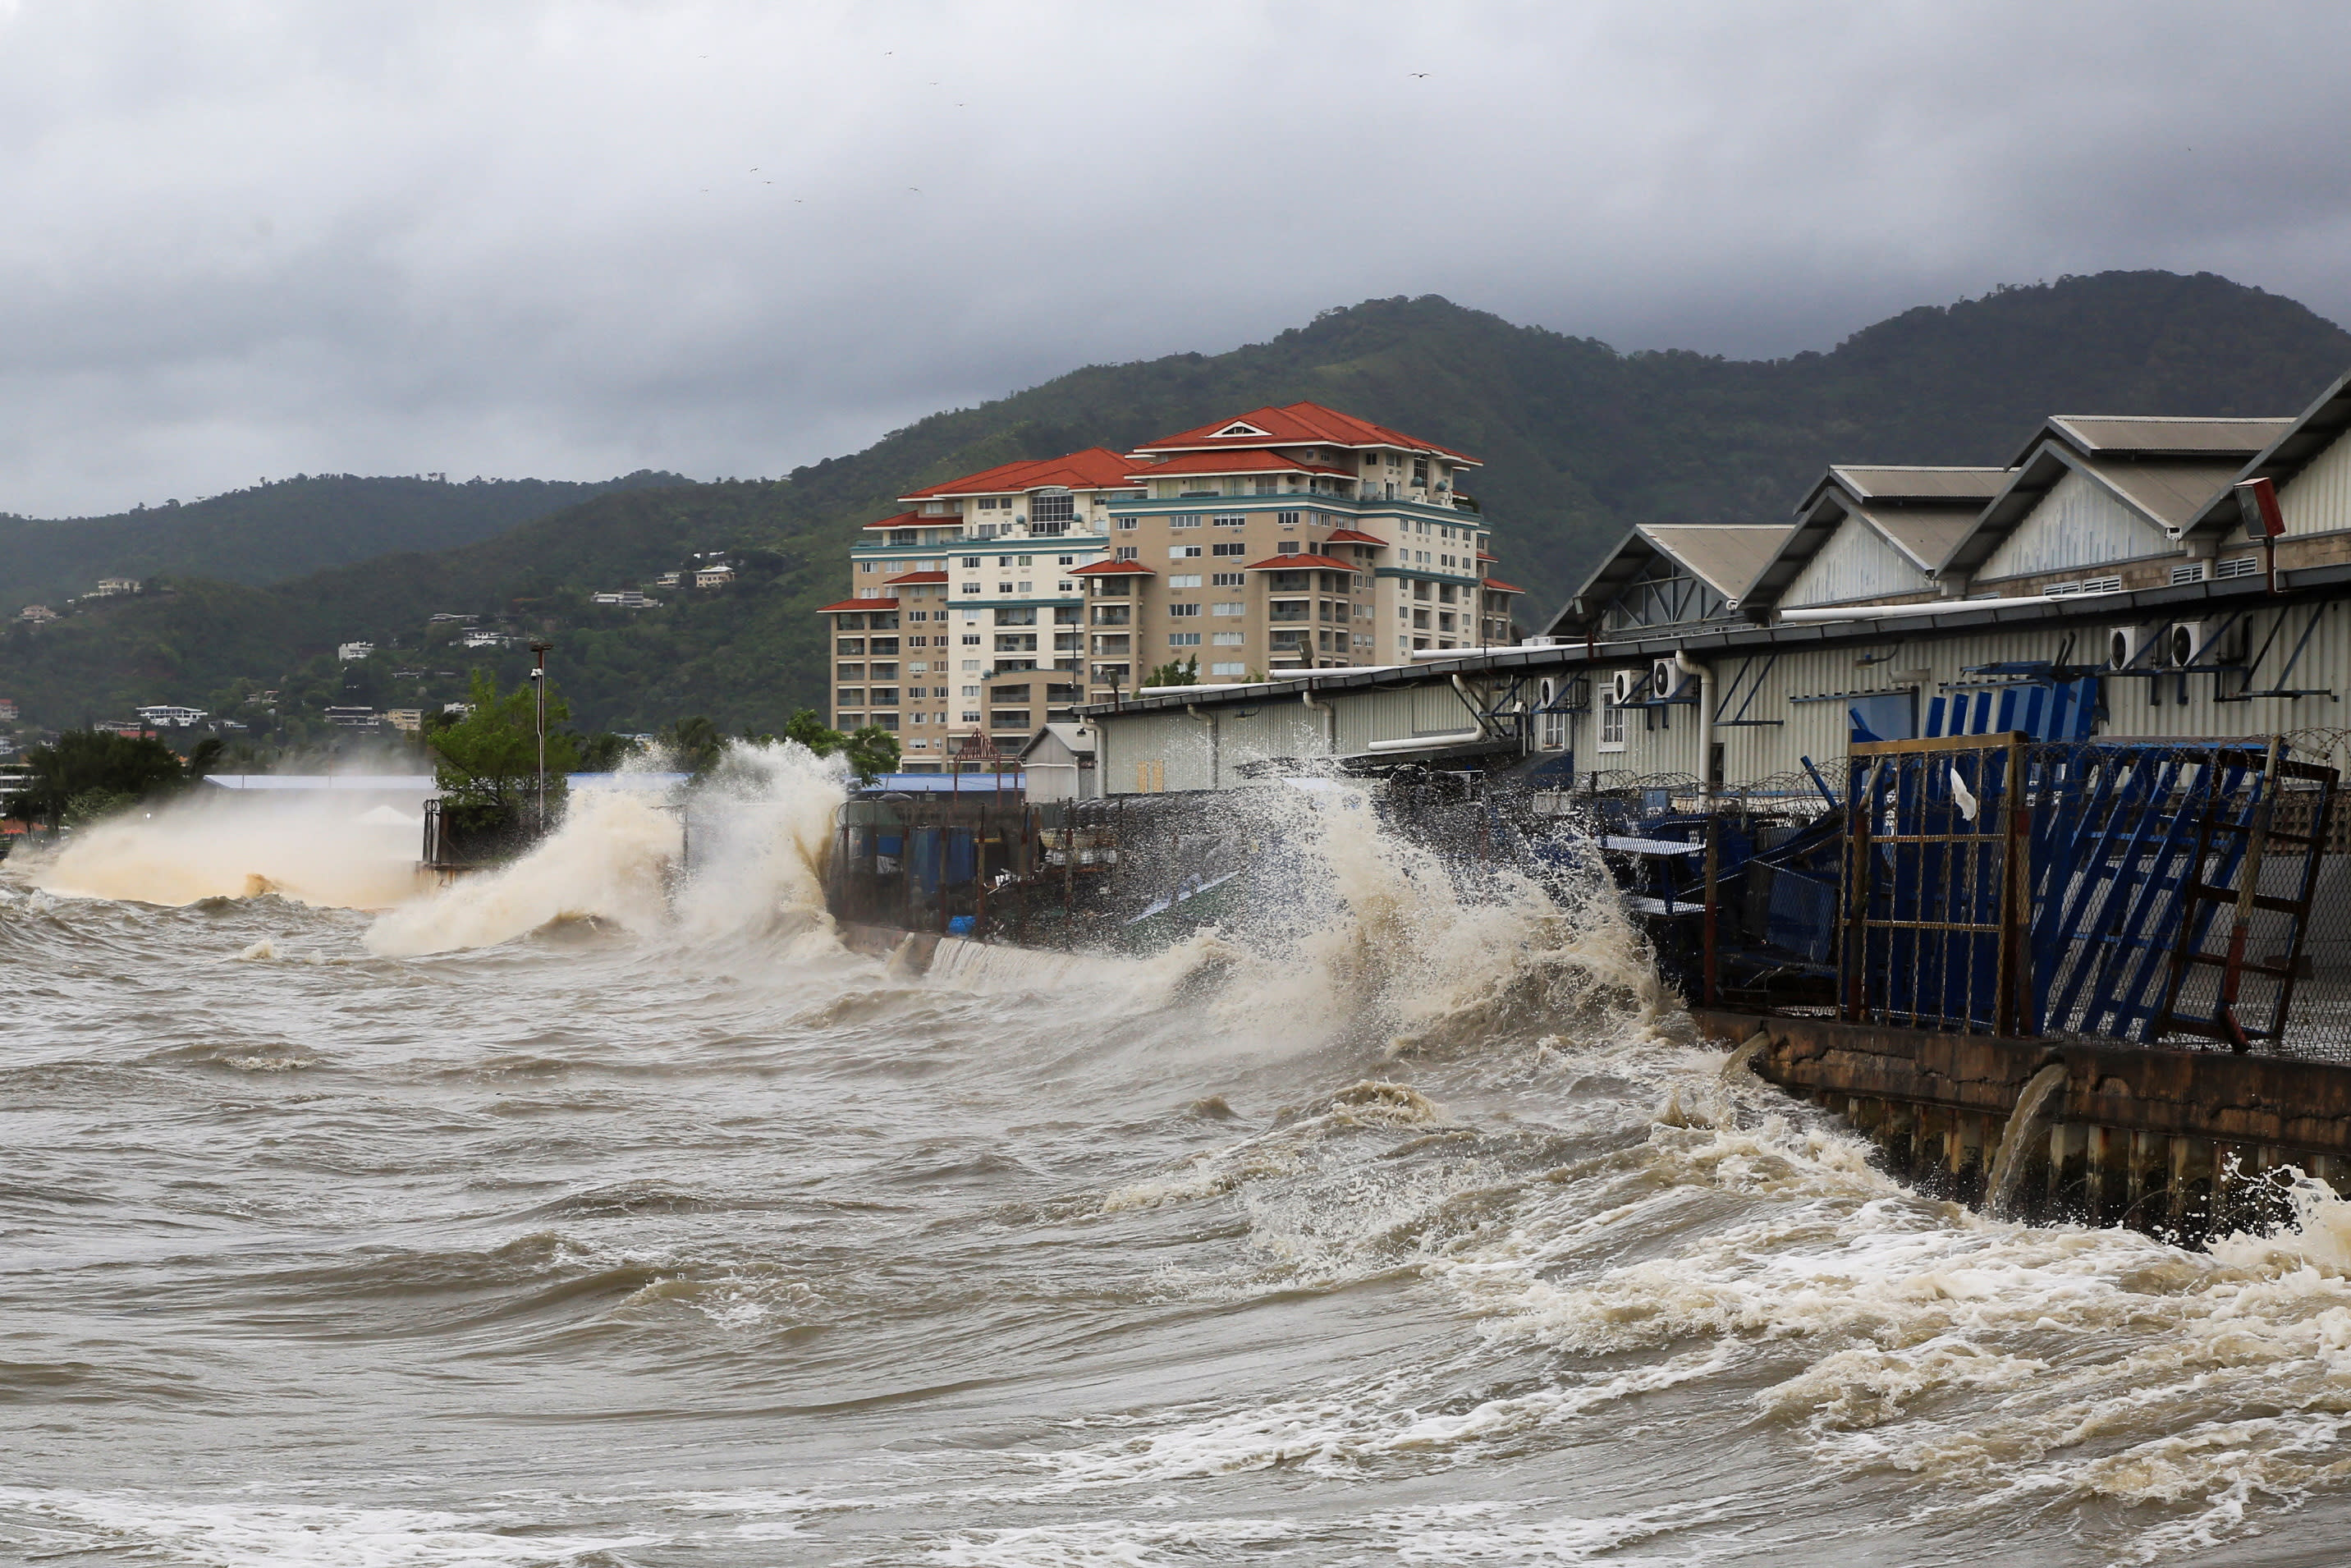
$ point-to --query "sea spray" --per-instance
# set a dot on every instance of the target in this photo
(737, 850)
(328, 848)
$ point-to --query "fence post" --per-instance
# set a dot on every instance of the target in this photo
(2014, 1006)
(1858, 812)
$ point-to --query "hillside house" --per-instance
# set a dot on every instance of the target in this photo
(352, 653)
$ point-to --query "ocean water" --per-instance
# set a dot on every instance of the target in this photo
(565, 1219)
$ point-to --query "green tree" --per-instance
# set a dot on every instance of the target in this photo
(1173, 673)
(486, 763)
(89, 772)
(694, 743)
(870, 749)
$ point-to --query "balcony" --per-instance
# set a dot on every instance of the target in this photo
(1114, 615)
(1112, 644)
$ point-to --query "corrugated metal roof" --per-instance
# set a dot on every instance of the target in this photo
(2172, 436)
(2171, 494)
(1896, 482)
(1726, 555)
(1925, 533)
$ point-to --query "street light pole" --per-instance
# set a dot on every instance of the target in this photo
(538, 697)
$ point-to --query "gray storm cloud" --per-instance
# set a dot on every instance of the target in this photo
(725, 237)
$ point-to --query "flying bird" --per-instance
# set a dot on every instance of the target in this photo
(1423, 75)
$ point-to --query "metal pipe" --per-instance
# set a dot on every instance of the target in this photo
(1470, 702)
(1216, 778)
(1330, 719)
(1689, 666)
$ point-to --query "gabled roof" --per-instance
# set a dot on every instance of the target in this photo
(857, 604)
(1729, 550)
(2171, 492)
(1725, 556)
(1300, 563)
(2158, 436)
(912, 520)
(1114, 569)
(914, 577)
(1922, 512)
(1299, 423)
(1253, 460)
(2317, 427)
(1095, 469)
(1076, 737)
(1499, 586)
(1357, 537)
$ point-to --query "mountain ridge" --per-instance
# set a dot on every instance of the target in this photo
(1579, 442)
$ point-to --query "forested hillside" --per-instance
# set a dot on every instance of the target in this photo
(1579, 440)
(276, 531)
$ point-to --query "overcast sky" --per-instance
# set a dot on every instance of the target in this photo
(244, 238)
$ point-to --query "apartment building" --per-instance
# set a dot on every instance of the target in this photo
(1285, 539)
(1288, 538)
(963, 632)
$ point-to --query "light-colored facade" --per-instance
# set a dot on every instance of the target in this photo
(1287, 540)
(1290, 538)
(963, 633)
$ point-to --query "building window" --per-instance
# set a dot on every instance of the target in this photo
(1184, 580)
(1183, 639)
(1183, 520)
(1228, 669)
(1127, 552)
(1226, 579)
(1228, 606)
(849, 697)
(1287, 519)
(971, 718)
(970, 639)
(1230, 522)
(971, 588)
(1183, 552)
(1229, 546)
(1227, 639)
(1129, 522)
(1045, 511)
(1612, 725)
(1181, 610)
(1009, 718)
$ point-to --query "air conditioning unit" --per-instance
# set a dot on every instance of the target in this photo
(2183, 643)
(1664, 676)
(2123, 644)
(1622, 685)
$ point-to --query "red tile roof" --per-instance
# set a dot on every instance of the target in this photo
(1355, 537)
(1300, 422)
(1304, 562)
(914, 577)
(1499, 586)
(914, 520)
(1483, 555)
(1095, 469)
(1243, 461)
(1114, 569)
(848, 604)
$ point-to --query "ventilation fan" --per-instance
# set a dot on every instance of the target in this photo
(2123, 645)
(1664, 676)
(2183, 643)
(1622, 686)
